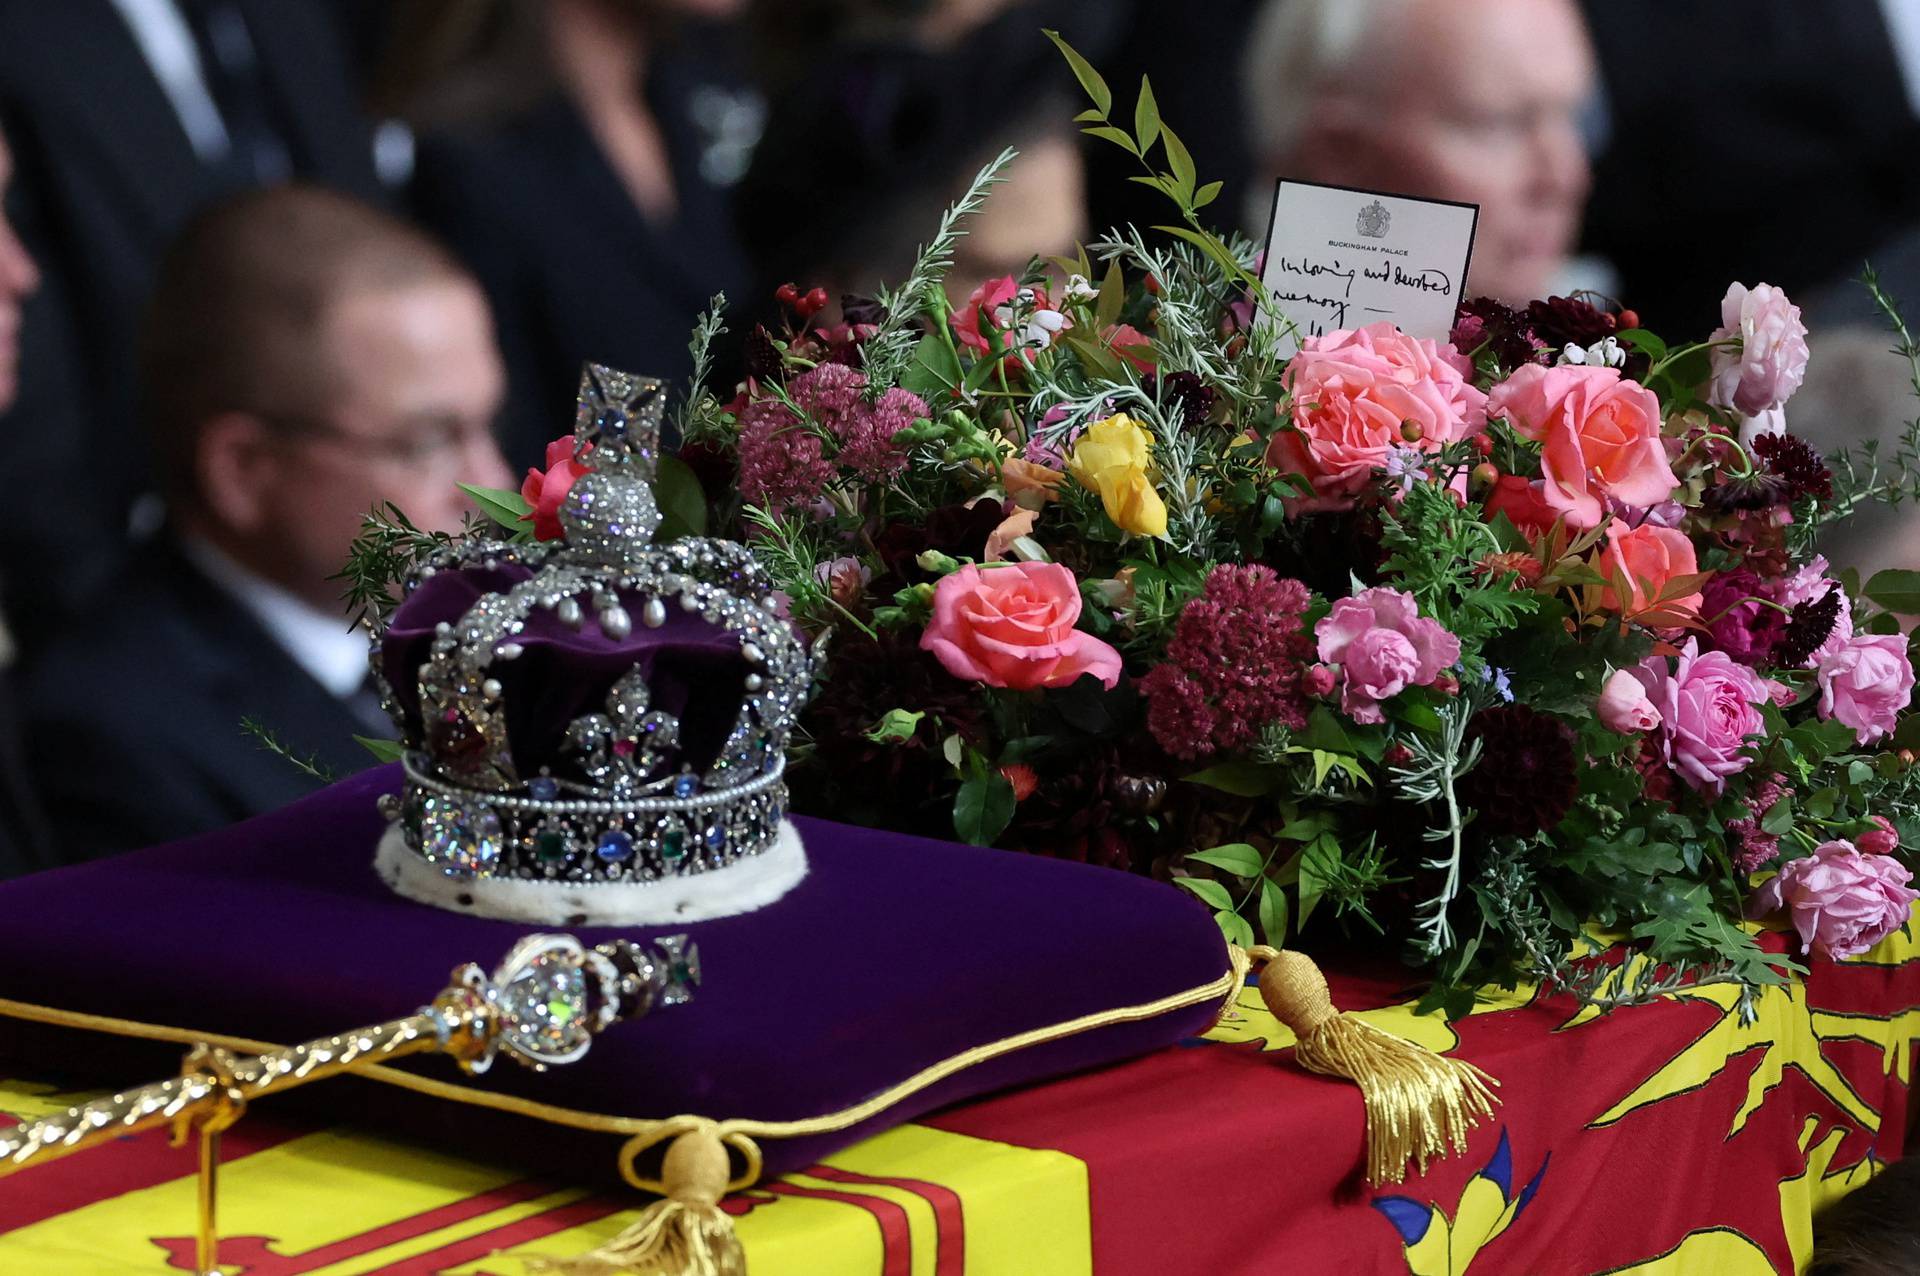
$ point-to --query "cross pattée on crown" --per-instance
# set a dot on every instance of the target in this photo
(618, 417)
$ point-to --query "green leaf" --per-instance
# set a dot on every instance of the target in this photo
(1234, 927)
(1146, 117)
(1273, 913)
(1242, 779)
(682, 502)
(1089, 116)
(1118, 136)
(1897, 590)
(1859, 772)
(1317, 860)
(1779, 818)
(1206, 195)
(1238, 858)
(1207, 244)
(382, 750)
(1324, 731)
(503, 506)
(1182, 163)
(1207, 889)
(935, 370)
(1083, 71)
(1113, 295)
(982, 808)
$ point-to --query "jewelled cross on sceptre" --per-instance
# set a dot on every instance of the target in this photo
(619, 417)
(542, 1006)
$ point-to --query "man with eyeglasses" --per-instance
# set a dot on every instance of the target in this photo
(307, 359)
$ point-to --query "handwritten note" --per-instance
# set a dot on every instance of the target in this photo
(1344, 258)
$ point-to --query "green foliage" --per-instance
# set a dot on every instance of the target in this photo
(388, 549)
(1434, 548)
(505, 507)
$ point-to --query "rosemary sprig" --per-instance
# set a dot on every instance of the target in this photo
(387, 550)
(265, 737)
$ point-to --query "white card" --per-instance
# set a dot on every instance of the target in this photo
(1344, 258)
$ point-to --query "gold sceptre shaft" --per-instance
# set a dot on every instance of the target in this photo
(541, 1007)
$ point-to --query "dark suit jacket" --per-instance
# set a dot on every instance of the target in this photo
(134, 715)
(574, 270)
(105, 176)
(22, 834)
(1770, 140)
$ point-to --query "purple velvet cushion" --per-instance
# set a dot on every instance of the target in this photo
(893, 954)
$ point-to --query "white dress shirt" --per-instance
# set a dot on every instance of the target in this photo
(319, 642)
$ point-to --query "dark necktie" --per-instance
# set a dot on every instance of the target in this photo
(259, 154)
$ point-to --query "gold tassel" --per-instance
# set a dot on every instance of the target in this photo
(684, 1234)
(1419, 1104)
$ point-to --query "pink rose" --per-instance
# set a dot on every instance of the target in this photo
(545, 491)
(1708, 706)
(1866, 683)
(1646, 558)
(1383, 646)
(1769, 360)
(1599, 436)
(1012, 626)
(1520, 500)
(1353, 391)
(1841, 902)
(1624, 706)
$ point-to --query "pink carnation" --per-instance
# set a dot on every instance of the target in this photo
(1866, 683)
(1383, 645)
(1708, 705)
(1353, 392)
(1840, 901)
(1769, 358)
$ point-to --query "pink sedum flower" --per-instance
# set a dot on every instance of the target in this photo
(1352, 393)
(1383, 646)
(1840, 901)
(1767, 366)
(1866, 683)
(1012, 627)
(1708, 706)
(1624, 706)
(1599, 437)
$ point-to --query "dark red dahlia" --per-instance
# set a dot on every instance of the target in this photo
(959, 531)
(1810, 625)
(1560, 321)
(1077, 812)
(1483, 325)
(1186, 396)
(1524, 782)
(1797, 466)
(763, 357)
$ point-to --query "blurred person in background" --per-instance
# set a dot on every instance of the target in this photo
(307, 359)
(21, 829)
(127, 116)
(890, 124)
(1479, 101)
(580, 156)
(1772, 139)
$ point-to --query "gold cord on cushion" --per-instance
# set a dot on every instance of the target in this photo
(1419, 1104)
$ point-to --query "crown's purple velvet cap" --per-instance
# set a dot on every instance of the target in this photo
(893, 954)
(693, 668)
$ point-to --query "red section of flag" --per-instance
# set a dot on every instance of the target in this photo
(950, 1232)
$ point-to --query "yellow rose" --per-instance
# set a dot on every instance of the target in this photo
(1113, 458)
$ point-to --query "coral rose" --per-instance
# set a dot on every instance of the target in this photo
(1646, 558)
(1599, 436)
(1840, 901)
(1113, 458)
(1012, 626)
(1383, 645)
(1708, 705)
(1866, 683)
(545, 491)
(1353, 392)
(1767, 364)
(1520, 500)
